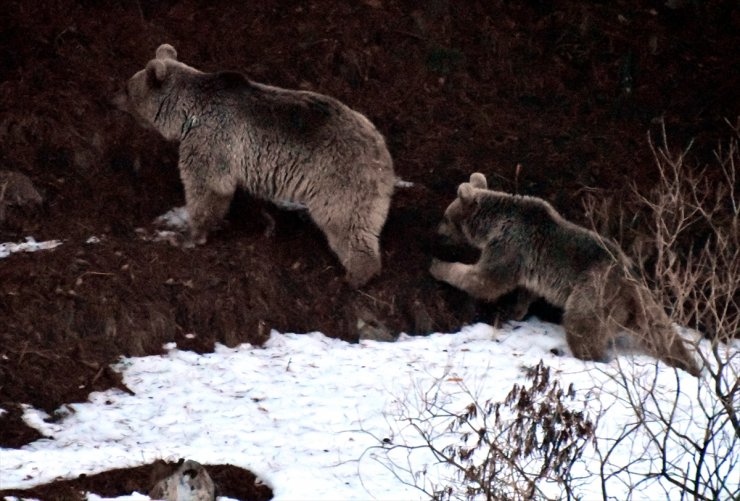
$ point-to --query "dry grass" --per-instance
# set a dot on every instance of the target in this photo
(684, 236)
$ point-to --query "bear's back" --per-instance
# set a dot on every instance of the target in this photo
(574, 248)
(294, 113)
(550, 241)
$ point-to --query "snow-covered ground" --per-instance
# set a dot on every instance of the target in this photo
(307, 413)
(30, 245)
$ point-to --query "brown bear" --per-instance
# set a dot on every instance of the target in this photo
(525, 243)
(277, 144)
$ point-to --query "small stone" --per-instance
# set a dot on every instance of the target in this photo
(190, 482)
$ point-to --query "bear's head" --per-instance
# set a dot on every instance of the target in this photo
(459, 212)
(151, 94)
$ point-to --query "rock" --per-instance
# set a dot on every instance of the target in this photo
(369, 327)
(190, 482)
(16, 190)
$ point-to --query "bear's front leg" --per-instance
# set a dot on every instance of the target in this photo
(206, 206)
(471, 279)
(524, 299)
(206, 211)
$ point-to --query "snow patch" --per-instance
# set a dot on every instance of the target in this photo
(306, 412)
(174, 219)
(30, 245)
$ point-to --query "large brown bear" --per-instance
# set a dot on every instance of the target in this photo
(277, 144)
(525, 243)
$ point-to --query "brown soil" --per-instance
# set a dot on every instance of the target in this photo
(546, 98)
(230, 481)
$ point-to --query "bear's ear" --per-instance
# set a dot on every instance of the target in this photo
(156, 72)
(166, 51)
(478, 180)
(466, 194)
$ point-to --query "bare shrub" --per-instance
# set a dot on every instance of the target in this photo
(517, 449)
(686, 241)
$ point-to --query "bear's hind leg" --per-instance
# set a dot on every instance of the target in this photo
(352, 222)
(354, 239)
(363, 261)
(585, 336)
(656, 334)
(679, 355)
(359, 254)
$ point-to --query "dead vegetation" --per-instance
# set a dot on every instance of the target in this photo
(516, 449)
(688, 245)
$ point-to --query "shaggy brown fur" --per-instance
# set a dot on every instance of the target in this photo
(524, 242)
(278, 144)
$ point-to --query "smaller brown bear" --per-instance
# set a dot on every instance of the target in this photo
(525, 243)
(277, 144)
